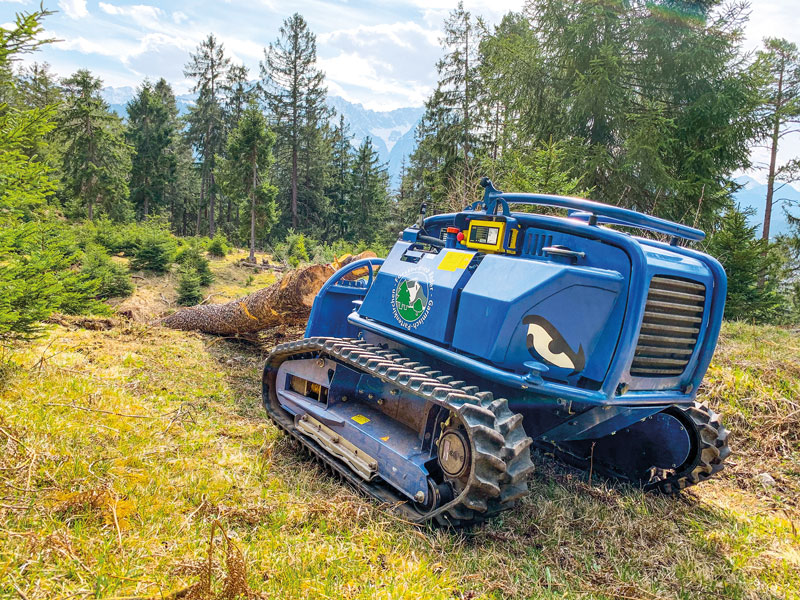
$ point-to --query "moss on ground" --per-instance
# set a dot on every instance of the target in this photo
(120, 449)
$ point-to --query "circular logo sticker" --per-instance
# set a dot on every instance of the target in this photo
(412, 297)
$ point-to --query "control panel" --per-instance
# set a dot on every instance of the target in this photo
(485, 235)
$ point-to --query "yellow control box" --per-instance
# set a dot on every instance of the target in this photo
(486, 235)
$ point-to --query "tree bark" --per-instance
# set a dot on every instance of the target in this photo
(776, 128)
(286, 302)
(253, 215)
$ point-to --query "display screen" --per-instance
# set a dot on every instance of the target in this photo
(483, 234)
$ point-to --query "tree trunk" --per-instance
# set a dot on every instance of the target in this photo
(286, 302)
(771, 180)
(202, 199)
(294, 188)
(211, 224)
(776, 129)
(253, 216)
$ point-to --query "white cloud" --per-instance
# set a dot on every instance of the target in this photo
(381, 66)
(74, 9)
(141, 14)
(179, 17)
(399, 34)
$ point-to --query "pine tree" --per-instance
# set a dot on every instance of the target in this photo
(369, 194)
(189, 292)
(340, 181)
(38, 86)
(777, 68)
(249, 156)
(96, 159)
(38, 255)
(294, 92)
(240, 94)
(459, 88)
(209, 68)
(747, 263)
(151, 133)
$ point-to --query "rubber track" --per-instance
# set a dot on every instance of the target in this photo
(711, 436)
(501, 459)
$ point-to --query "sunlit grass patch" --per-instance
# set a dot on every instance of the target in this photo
(122, 448)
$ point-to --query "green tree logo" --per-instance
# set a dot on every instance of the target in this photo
(411, 299)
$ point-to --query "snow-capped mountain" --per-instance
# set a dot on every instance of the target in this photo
(753, 195)
(392, 132)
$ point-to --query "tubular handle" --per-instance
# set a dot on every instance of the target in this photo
(622, 216)
(353, 266)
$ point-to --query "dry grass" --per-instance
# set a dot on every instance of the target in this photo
(124, 454)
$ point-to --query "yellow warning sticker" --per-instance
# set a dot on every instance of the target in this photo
(455, 260)
(360, 419)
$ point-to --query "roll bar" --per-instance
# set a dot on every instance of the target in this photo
(586, 209)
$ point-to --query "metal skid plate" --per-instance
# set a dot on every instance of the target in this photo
(360, 422)
(358, 460)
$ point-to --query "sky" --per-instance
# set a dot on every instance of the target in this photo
(379, 53)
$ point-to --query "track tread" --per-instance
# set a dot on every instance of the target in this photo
(500, 464)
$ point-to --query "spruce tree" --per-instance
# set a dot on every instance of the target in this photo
(294, 91)
(96, 159)
(340, 181)
(38, 255)
(369, 194)
(747, 263)
(240, 94)
(249, 156)
(151, 133)
(209, 68)
(459, 99)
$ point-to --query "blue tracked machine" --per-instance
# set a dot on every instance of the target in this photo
(488, 333)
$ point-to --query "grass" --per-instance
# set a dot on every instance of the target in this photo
(120, 450)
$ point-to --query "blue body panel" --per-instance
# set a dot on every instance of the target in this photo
(475, 314)
(437, 283)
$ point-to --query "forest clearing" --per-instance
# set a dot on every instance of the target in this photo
(125, 443)
(269, 327)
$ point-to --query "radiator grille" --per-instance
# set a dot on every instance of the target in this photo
(672, 318)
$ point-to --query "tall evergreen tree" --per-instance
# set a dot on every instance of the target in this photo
(340, 181)
(294, 92)
(209, 68)
(151, 133)
(241, 92)
(96, 159)
(38, 256)
(38, 86)
(369, 194)
(249, 156)
(777, 68)
(452, 127)
(753, 293)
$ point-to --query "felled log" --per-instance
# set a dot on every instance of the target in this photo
(286, 303)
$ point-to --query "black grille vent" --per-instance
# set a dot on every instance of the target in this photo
(672, 318)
